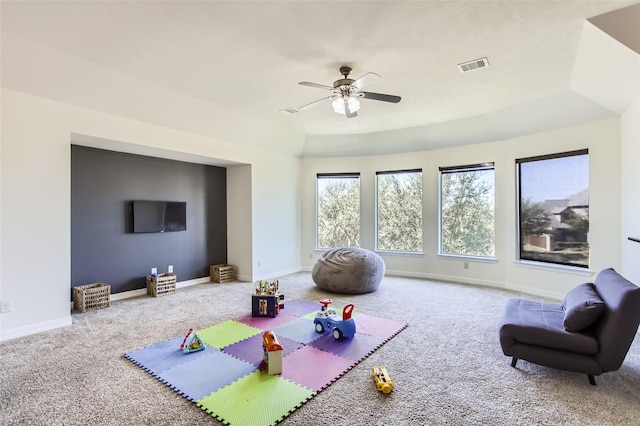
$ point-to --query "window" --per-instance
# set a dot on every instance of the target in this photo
(467, 198)
(553, 207)
(399, 212)
(338, 210)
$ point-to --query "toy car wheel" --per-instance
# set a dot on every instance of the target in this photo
(319, 327)
(337, 334)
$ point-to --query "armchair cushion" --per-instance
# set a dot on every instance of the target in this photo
(583, 306)
(536, 323)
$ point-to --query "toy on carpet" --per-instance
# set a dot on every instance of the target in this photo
(327, 320)
(266, 301)
(272, 350)
(234, 392)
(192, 342)
(382, 378)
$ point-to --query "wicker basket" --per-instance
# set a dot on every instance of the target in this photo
(222, 273)
(161, 285)
(91, 296)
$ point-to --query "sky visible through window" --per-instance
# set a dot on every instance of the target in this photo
(554, 179)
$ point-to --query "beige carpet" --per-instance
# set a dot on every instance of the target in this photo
(447, 366)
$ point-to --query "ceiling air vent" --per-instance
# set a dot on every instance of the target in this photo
(476, 64)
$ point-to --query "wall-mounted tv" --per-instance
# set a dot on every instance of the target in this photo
(159, 216)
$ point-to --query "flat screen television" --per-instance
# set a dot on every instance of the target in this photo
(159, 216)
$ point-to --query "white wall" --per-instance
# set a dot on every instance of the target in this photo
(602, 138)
(630, 173)
(35, 200)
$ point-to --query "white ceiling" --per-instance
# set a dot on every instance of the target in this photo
(248, 57)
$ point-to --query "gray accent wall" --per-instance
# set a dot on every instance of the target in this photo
(103, 245)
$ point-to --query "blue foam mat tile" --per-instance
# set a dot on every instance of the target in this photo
(158, 357)
(301, 330)
(250, 350)
(203, 375)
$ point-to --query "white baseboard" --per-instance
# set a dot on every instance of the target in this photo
(27, 330)
(465, 280)
(143, 291)
(277, 274)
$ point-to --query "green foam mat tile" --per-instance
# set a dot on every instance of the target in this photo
(227, 333)
(255, 400)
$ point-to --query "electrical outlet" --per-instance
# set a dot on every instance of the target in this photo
(310, 256)
(259, 264)
(154, 271)
(5, 307)
(170, 269)
(466, 265)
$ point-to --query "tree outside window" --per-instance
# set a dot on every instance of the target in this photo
(553, 206)
(399, 211)
(467, 224)
(338, 210)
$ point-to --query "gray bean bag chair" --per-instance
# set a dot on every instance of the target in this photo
(348, 270)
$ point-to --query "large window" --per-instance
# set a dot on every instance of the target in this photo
(399, 212)
(338, 210)
(467, 196)
(554, 208)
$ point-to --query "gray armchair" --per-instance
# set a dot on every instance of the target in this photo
(590, 332)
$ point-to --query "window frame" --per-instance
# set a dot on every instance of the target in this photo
(341, 175)
(377, 216)
(519, 248)
(488, 165)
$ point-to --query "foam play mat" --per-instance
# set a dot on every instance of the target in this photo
(225, 378)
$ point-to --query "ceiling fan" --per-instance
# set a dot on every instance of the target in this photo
(345, 93)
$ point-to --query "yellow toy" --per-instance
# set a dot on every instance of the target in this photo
(382, 379)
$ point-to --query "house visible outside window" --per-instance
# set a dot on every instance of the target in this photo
(467, 199)
(338, 210)
(553, 195)
(399, 211)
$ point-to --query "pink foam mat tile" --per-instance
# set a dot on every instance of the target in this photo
(313, 368)
(380, 327)
(300, 308)
(356, 349)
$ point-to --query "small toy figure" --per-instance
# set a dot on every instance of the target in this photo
(272, 352)
(192, 342)
(327, 319)
(382, 378)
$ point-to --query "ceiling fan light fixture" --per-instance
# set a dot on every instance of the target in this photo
(338, 104)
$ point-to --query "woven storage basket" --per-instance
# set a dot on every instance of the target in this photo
(162, 285)
(222, 273)
(91, 296)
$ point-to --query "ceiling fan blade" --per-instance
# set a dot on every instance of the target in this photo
(365, 80)
(347, 111)
(309, 105)
(381, 97)
(316, 85)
